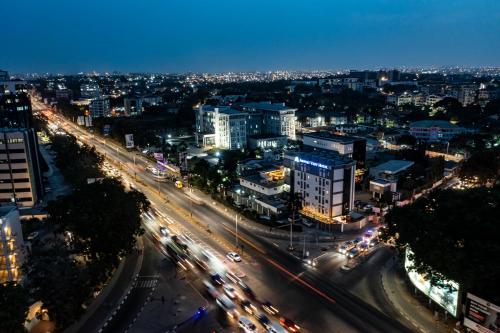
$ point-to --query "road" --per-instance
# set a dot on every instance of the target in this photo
(306, 295)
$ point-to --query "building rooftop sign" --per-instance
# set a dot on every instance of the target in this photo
(319, 165)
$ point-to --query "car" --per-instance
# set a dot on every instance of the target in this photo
(211, 290)
(353, 253)
(217, 279)
(246, 289)
(343, 249)
(164, 231)
(357, 240)
(246, 325)
(33, 235)
(230, 291)
(269, 308)
(276, 328)
(289, 324)
(233, 256)
(363, 246)
(373, 242)
(263, 320)
(227, 305)
(248, 307)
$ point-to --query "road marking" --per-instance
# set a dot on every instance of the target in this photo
(298, 279)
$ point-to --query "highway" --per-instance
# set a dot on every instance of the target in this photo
(304, 294)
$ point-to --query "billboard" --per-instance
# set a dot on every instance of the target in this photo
(446, 296)
(481, 315)
(129, 141)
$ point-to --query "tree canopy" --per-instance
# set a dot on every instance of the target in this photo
(14, 305)
(454, 236)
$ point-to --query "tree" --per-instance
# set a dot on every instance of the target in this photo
(104, 218)
(453, 236)
(406, 139)
(14, 305)
(482, 167)
(61, 284)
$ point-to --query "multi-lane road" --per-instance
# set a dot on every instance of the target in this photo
(306, 295)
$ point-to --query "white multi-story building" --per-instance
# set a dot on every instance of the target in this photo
(324, 180)
(100, 107)
(277, 119)
(467, 95)
(230, 128)
(404, 99)
(432, 99)
(11, 244)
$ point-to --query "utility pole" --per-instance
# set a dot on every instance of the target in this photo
(290, 247)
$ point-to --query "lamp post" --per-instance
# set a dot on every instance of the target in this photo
(236, 226)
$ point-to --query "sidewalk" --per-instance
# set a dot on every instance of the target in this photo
(407, 305)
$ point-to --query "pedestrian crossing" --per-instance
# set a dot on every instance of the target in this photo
(146, 283)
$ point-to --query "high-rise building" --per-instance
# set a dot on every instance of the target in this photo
(20, 173)
(230, 128)
(100, 107)
(11, 244)
(324, 180)
(15, 105)
(90, 90)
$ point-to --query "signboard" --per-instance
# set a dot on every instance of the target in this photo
(129, 141)
(183, 162)
(88, 121)
(446, 296)
(107, 129)
(481, 315)
(158, 156)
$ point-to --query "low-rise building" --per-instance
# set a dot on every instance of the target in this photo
(390, 170)
(133, 106)
(90, 90)
(267, 141)
(435, 130)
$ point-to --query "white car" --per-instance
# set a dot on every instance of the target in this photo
(247, 325)
(233, 256)
(230, 291)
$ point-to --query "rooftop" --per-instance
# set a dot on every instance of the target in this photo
(333, 137)
(257, 179)
(432, 123)
(230, 111)
(394, 166)
(267, 106)
(324, 157)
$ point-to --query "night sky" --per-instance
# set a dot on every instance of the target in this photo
(68, 36)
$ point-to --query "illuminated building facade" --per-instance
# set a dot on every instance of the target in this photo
(324, 180)
(11, 244)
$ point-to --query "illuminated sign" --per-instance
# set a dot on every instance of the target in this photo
(319, 165)
(445, 296)
(481, 315)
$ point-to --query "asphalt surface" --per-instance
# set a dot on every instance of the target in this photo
(307, 295)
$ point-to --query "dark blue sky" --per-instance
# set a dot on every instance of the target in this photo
(236, 35)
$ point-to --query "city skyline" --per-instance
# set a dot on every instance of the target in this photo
(222, 37)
